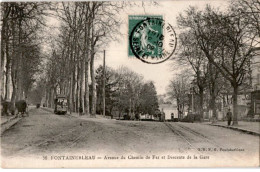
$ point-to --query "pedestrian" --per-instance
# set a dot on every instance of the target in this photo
(80, 111)
(172, 116)
(137, 117)
(229, 117)
(162, 116)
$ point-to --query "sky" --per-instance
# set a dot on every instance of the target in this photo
(117, 51)
(160, 74)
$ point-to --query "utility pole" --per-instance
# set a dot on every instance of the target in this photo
(192, 103)
(104, 84)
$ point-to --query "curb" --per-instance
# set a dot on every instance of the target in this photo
(237, 129)
(8, 124)
(10, 119)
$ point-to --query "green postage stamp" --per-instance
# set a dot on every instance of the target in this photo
(150, 39)
(133, 20)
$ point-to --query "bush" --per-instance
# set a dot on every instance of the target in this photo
(191, 118)
(126, 117)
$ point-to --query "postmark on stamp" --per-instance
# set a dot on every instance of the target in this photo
(152, 40)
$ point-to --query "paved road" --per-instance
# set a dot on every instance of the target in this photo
(44, 134)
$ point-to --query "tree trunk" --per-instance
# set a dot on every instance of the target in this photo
(46, 95)
(201, 91)
(213, 75)
(86, 88)
(71, 93)
(78, 90)
(104, 85)
(20, 78)
(74, 49)
(52, 98)
(213, 107)
(49, 98)
(14, 66)
(7, 74)
(14, 86)
(19, 64)
(93, 85)
(92, 69)
(235, 110)
(182, 110)
(84, 76)
(14, 80)
(178, 108)
(82, 85)
(86, 63)
(130, 107)
(4, 43)
(74, 91)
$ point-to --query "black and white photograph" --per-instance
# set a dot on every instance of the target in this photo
(130, 84)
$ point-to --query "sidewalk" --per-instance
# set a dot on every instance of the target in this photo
(243, 126)
(6, 119)
(9, 121)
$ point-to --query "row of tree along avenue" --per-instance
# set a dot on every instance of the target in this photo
(85, 27)
(82, 30)
(218, 47)
(20, 50)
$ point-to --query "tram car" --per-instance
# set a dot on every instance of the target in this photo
(60, 104)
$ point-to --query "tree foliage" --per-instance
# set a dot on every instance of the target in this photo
(148, 99)
(20, 50)
(179, 89)
(226, 40)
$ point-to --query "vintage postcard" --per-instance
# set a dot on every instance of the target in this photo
(130, 84)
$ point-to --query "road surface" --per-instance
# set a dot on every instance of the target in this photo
(46, 136)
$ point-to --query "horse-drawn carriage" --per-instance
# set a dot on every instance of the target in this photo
(19, 107)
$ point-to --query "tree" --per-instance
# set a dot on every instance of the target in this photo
(191, 53)
(179, 89)
(225, 41)
(250, 11)
(215, 84)
(207, 77)
(148, 99)
(129, 87)
(86, 27)
(21, 22)
(111, 88)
